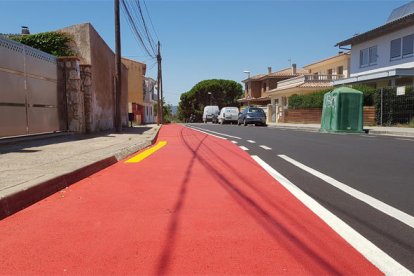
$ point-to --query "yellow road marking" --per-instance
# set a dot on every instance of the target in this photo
(139, 157)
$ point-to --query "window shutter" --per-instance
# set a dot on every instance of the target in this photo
(373, 55)
(395, 48)
(408, 45)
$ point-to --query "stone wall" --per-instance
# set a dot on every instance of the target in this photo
(75, 111)
(86, 83)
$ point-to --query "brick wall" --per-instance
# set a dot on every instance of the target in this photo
(313, 116)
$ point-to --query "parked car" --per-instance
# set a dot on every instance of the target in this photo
(252, 115)
(214, 120)
(228, 115)
(209, 112)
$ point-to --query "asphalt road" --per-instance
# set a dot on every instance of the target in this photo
(379, 167)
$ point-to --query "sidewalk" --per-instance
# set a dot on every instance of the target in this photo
(376, 130)
(33, 169)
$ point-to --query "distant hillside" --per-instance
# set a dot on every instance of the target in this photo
(174, 110)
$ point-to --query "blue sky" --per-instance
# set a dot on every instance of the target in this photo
(214, 39)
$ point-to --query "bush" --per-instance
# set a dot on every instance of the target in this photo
(54, 43)
(314, 100)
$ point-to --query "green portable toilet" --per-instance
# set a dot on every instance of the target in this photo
(342, 111)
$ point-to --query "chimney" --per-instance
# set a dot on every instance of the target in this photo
(269, 70)
(293, 68)
(25, 30)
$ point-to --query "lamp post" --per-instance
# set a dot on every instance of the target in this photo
(210, 96)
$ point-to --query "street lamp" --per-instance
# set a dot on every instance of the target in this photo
(210, 96)
(248, 73)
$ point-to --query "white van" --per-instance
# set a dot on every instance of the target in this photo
(210, 111)
(228, 115)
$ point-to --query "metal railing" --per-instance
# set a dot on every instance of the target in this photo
(308, 78)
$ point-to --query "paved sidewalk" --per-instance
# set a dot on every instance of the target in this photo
(33, 169)
(376, 130)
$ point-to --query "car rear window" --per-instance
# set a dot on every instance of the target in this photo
(256, 110)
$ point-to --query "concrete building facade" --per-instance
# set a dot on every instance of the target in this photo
(92, 50)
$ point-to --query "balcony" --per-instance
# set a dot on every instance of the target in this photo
(296, 81)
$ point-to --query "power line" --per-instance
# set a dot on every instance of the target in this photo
(130, 11)
(152, 25)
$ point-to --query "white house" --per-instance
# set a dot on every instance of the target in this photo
(384, 56)
(150, 99)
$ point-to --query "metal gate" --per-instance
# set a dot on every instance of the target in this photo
(28, 90)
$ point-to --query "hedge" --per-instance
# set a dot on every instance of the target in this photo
(315, 100)
(54, 43)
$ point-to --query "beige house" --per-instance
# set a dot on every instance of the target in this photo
(136, 76)
(314, 77)
(257, 88)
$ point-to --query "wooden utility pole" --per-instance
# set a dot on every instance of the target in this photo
(118, 119)
(159, 107)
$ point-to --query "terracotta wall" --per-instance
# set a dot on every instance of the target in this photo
(313, 116)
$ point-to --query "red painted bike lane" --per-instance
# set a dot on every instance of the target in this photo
(199, 205)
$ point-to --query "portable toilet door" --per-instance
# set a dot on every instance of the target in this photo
(327, 112)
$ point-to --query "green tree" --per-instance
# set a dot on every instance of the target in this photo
(223, 93)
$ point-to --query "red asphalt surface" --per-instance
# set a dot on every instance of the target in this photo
(199, 205)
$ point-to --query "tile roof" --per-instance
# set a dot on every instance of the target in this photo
(316, 84)
(278, 74)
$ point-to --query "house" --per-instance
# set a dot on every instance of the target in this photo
(383, 56)
(257, 87)
(136, 76)
(92, 51)
(150, 100)
(314, 77)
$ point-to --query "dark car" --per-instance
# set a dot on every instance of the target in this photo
(252, 115)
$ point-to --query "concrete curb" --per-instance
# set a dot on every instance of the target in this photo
(24, 198)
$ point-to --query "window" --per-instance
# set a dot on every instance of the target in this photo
(408, 45)
(368, 56)
(340, 70)
(363, 58)
(395, 48)
(373, 55)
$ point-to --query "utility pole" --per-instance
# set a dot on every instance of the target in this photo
(118, 120)
(159, 111)
(162, 91)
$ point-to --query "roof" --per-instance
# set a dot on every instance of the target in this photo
(329, 58)
(311, 84)
(278, 74)
(390, 27)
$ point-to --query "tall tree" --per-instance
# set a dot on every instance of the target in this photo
(218, 92)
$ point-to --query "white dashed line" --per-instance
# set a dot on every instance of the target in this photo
(234, 142)
(243, 148)
(251, 141)
(369, 250)
(265, 147)
(373, 202)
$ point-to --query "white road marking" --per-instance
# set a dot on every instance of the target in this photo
(251, 141)
(243, 148)
(379, 205)
(265, 147)
(206, 133)
(369, 250)
(234, 142)
(222, 134)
